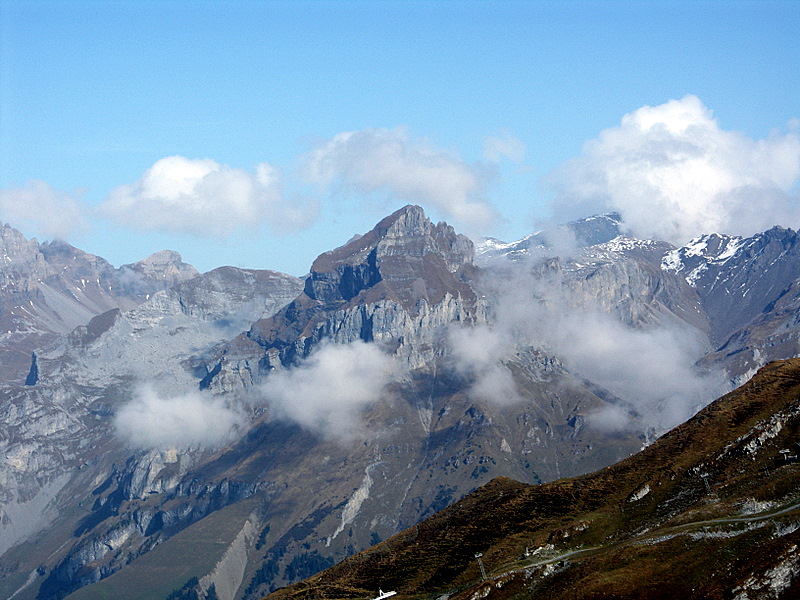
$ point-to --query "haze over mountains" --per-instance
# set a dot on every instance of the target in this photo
(277, 425)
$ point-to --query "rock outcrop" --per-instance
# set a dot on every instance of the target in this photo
(49, 289)
(398, 285)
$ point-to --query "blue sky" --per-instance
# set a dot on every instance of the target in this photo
(260, 134)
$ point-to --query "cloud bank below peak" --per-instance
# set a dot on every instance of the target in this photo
(673, 173)
(328, 392)
(151, 420)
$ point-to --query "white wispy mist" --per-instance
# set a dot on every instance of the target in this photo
(479, 354)
(673, 173)
(412, 170)
(328, 392)
(503, 146)
(652, 369)
(203, 197)
(38, 207)
(151, 420)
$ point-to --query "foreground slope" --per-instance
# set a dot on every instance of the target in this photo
(710, 510)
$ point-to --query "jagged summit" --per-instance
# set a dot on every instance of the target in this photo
(404, 246)
(397, 284)
(722, 267)
(47, 289)
(158, 271)
(164, 264)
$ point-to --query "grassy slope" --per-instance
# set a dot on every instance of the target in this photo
(660, 545)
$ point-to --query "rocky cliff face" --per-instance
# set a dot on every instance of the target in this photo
(48, 289)
(623, 277)
(398, 286)
(64, 453)
(747, 287)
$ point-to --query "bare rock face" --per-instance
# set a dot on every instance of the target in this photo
(59, 436)
(158, 271)
(624, 277)
(748, 287)
(398, 285)
(49, 289)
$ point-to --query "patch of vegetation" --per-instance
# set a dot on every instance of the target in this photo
(188, 591)
(262, 537)
(306, 564)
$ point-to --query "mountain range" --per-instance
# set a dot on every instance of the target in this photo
(240, 430)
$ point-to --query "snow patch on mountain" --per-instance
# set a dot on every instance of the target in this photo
(694, 259)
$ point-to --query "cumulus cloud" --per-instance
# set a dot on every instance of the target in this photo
(203, 197)
(503, 146)
(328, 392)
(39, 208)
(388, 160)
(674, 173)
(153, 421)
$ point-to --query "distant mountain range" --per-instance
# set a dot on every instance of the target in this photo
(240, 430)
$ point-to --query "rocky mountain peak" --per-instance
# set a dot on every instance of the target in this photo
(158, 271)
(405, 245)
(20, 259)
(407, 232)
(582, 233)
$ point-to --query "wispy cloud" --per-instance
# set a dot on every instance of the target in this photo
(479, 353)
(503, 146)
(650, 368)
(674, 173)
(203, 197)
(151, 420)
(39, 208)
(412, 170)
(328, 392)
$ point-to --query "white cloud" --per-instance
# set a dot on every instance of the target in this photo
(194, 419)
(38, 208)
(650, 369)
(203, 197)
(328, 392)
(674, 173)
(478, 353)
(388, 160)
(505, 145)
